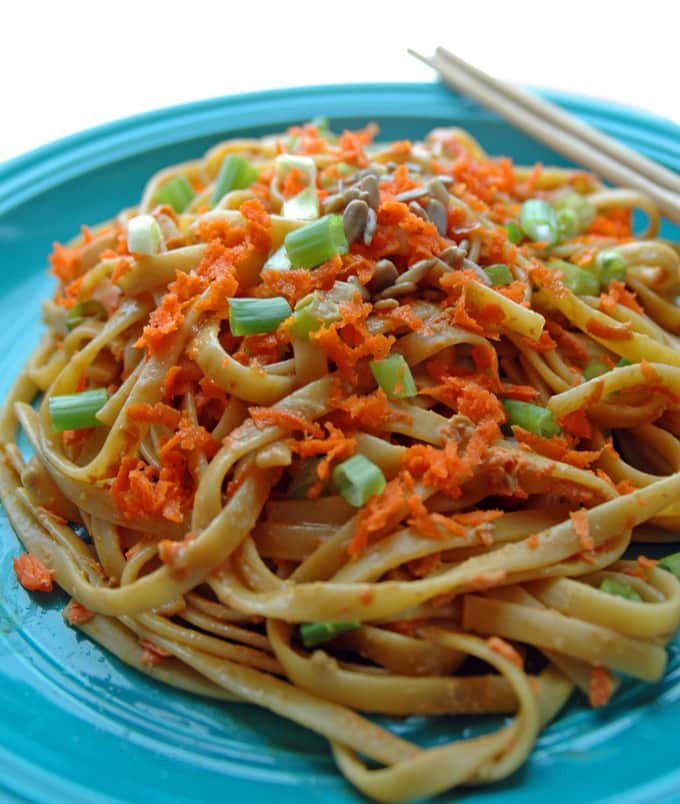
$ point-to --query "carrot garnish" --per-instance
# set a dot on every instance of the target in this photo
(505, 650)
(32, 574)
(579, 520)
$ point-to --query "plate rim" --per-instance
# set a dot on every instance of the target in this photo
(31, 173)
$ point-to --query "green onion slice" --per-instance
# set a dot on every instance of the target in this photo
(499, 274)
(320, 308)
(316, 242)
(515, 234)
(316, 633)
(358, 479)
(76, 411)
(236, 173)
(531, 417)
(610, 264)
(624, 362)
(305, 164)
(177, 192)
(144, 235)
(393, 375)
(612, 586)
(574, 214)
(671, 563)
(578, 280)
(539, 221)
(303, 206)
(278, 261)
(257, 316)
(88, 309)
(595, 368)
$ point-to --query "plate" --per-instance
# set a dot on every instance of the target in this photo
(76, 724)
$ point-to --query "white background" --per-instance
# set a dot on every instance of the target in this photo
(67, 65)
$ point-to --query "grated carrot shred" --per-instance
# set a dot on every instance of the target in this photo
(581, 525)
(32, 574)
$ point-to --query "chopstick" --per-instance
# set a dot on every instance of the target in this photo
(565, 134)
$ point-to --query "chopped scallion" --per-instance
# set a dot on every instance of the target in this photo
(177, 192)
(499, 274)
(515, 234)
(595, 368)
(612, 586)
(610, 264)
(144, 235)
(236, 173)
(303, 206)
(393, 375)
(358, 479)
(76, 411)
(88, 309)
(574, 214)
(316, 633)
(278, 261)
(305, 164)
(578, 280)
(539, 221)
(671, 563)
(248, 316)
(624, 362)
(531, 417)
(316, 242)
(319, 308)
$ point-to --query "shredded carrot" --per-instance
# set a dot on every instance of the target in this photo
(646, 563)
(65, 262)
(533, 541)
(76, 613)
(581, 525)
(381, 510)
(334, 446)
(557, 448)
(616, 294)
(285, 420)
(614, 332)
(164, 320)
(601, 687)
(348, 341)
(32, 574)
(173, 554)
(140, 490)
(158, 412)
(152, 654)
(506, 650)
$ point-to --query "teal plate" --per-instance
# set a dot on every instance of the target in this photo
(76, 725)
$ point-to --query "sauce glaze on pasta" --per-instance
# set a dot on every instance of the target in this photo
(216, 526)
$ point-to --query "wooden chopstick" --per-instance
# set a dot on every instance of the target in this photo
(546, 122)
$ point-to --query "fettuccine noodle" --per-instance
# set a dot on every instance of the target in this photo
(532, 430)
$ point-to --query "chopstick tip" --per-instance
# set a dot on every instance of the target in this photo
(425, 59)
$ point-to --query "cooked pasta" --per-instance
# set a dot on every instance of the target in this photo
(342, 428)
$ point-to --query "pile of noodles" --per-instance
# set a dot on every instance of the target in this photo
(476, 574)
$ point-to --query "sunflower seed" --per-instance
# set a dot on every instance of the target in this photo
(384, 276)
(417, 271)
(354, 219)
(436, 212)
(411, 195)
(437, 190)
(416, 209)
(371, 224)
(369, 185)
(386, 304)
(453, 256)
(397, 290)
